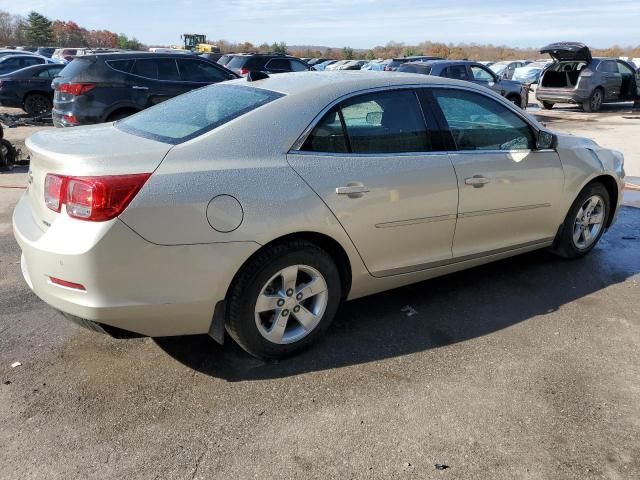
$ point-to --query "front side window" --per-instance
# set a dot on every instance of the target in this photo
(189, 115)
(298, 66)
(197, 71)
(376, 123)
(481, 74)
(478, 122)
(279, 64)
(608, 67)
(623, 69)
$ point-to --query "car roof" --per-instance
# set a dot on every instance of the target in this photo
(338, 83)
(125, 55)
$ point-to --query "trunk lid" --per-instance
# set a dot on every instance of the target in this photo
(568, 51)
(85, 151)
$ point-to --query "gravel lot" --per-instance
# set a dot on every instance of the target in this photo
(526, 368)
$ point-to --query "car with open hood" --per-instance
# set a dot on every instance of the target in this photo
(258, 205)
(579, 78)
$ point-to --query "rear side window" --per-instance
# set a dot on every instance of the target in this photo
(279, 64)
(237, 62)
(458, 72)
(156, 69)
(477, 122)
(298, 66)
(608, 67)
(377, 123)
(189, 115)
(76, 67)
(121, 65)
(197, 71)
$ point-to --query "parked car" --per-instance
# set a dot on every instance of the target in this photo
(226, 58)
(336, 65)
(515, 92)
(45, 51)
(27, 49)
(530, 74)
(636, 62)
(111, 86)
(577, 77)
(394, 64)
(486, 63)
(316, 61)
(9, 51)
(29, 88)
(506, 68)
(353, 65)
(214, 57)
(242, 64)
(376, 65)
(219, 209)
(11, 63)
(324, 65)
(64, 55)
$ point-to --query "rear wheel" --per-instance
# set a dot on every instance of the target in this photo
(37, 104)
(547, 105)
(585, 223)
(515, 99)
(7, 154)
(284, 299)
(594, 102)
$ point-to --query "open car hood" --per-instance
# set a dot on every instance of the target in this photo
(568, 51)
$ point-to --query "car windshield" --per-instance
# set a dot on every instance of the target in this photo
(192, 114)
(498, 67)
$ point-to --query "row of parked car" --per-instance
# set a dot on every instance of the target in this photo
(107, 86)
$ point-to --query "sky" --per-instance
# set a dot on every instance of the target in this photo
(356, 23)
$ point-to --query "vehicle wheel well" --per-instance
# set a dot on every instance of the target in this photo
(36, 92)
(116, 114)
(328, 244)
(513, 95)
(612, 188)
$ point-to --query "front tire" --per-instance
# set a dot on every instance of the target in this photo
(547, 105)
(585, 223)
(283, 299)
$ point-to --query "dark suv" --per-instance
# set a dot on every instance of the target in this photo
(394, 64)
(242, 64)
(107, 87)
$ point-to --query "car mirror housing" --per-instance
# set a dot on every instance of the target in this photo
(545, 140)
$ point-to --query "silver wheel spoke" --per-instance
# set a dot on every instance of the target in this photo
(289, 277)
(266, 302)
(276, 332)
(312, 288)
(596, 218)
(307, 319)
(586, 233)
(577, 233)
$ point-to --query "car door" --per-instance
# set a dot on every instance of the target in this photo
(611, 79)
(377, 164)
(481, 75)
(628, 79)
(509, 192)
(155, 80)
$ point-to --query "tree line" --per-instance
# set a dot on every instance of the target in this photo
(38, 31)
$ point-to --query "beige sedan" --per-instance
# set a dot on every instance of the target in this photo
(257, 206)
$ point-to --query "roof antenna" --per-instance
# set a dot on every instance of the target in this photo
(254, 76)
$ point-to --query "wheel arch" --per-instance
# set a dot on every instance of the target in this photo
(610, 183)
(120, 108)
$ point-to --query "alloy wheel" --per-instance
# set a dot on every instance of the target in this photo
(589, 222)
(291, 304)
(596, 101)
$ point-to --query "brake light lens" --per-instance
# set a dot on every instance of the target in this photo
(244, 71)
(76, 89)
(66, 283)
(95, 199)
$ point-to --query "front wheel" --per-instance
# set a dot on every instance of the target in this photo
(283, 299)
(547, 105)
(585, 223)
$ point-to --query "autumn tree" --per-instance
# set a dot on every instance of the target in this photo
(39, 29)
(347, 53)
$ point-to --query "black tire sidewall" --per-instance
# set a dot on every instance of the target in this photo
(31, 98)
(566, 244)
(241, 322)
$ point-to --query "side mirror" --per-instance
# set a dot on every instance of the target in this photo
(374, 118)
(545, 140)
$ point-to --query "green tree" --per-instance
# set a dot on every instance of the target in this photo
(370, 55)
(39, 31)
(279, 47)
(347, 53)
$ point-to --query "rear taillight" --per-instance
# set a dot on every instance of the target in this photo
(66, 283)
(243, 71)
(76, 89)
(94, 199)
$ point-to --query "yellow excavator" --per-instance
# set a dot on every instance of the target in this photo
(197, 42)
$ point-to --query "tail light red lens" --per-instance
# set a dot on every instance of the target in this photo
(244, 71)
(95, 199)
(76, 89)
(66, 283)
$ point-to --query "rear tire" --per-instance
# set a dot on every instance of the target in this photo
(516, 100)
(594, 102)
(547, 105)
(7, 154)
(37, 104)
(273, 310)
(585, 223)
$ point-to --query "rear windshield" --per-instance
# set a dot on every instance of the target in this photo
(76, 66)
(192, 114)
(237, 62)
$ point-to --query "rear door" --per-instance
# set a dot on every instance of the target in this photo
(376, 162)
(509, 192)
(611, 79)
(156, 80)
(197, 73)
(278, 65)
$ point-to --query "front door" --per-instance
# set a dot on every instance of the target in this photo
(509, 191)
(372, 161)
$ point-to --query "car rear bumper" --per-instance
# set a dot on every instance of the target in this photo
(131, 284)
(560, 95)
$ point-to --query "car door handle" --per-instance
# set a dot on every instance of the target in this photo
(477, 181)
(137, 87)
(352, 190)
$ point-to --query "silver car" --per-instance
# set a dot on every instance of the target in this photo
(257, 207)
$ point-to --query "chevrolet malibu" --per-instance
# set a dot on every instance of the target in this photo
(257, 206)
